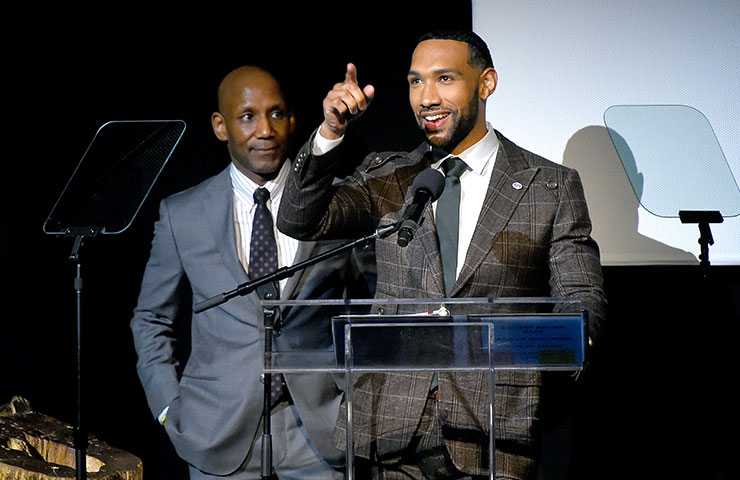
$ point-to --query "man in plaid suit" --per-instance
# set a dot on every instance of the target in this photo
(524, 230)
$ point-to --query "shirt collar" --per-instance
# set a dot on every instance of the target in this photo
(476, 156)
(244, 187)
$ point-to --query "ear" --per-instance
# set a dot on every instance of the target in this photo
(487, 84)
(219, 127)
(292, 123)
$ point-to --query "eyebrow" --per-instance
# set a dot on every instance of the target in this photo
(246, 107)
(438, 71)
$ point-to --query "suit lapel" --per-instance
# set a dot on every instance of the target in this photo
(427, 235)
(219, 206)
(509, 183)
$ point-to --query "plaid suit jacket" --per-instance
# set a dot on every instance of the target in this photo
(532, 240)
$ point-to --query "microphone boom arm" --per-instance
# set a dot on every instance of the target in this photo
(285, 272)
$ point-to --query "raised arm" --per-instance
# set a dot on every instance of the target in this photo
(312, 207)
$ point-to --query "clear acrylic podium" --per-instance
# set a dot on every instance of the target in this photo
(438, 335)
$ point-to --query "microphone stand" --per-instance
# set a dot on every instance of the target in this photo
(269, 322)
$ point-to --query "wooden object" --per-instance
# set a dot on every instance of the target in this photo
(34, 446)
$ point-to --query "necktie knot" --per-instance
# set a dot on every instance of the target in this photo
(261, 196)
(454, 167)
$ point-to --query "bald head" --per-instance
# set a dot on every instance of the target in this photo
(248, 75)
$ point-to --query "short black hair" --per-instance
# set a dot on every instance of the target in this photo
(479, 54)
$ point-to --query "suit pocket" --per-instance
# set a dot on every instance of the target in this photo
(195, 378)
(200, 401)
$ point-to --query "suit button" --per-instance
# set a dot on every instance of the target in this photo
(552, 185)
(381, 310)
(268, 295)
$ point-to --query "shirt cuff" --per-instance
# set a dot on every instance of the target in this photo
(162, 416)
(323, 145)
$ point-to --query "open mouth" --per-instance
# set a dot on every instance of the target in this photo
(435, 121)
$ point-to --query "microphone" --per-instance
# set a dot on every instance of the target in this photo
(427, 187)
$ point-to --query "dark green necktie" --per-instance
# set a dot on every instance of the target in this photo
(448, 218)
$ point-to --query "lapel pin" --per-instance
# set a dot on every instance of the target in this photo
(517, 185)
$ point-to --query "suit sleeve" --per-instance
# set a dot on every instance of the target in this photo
(163, 287)
(315, 207)
(575, 266)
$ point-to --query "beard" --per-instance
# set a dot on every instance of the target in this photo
(463, 122)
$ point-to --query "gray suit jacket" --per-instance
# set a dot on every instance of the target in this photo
(215, 405)
(529, 241)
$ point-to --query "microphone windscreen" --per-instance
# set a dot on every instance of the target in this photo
(430, 179)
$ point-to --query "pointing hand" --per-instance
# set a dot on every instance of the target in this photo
(345, 103)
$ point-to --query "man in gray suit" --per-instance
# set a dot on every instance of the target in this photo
(523, 230)
(212, 408)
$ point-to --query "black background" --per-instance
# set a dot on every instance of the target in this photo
(659, 394)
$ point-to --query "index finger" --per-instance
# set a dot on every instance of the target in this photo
(351, 75)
